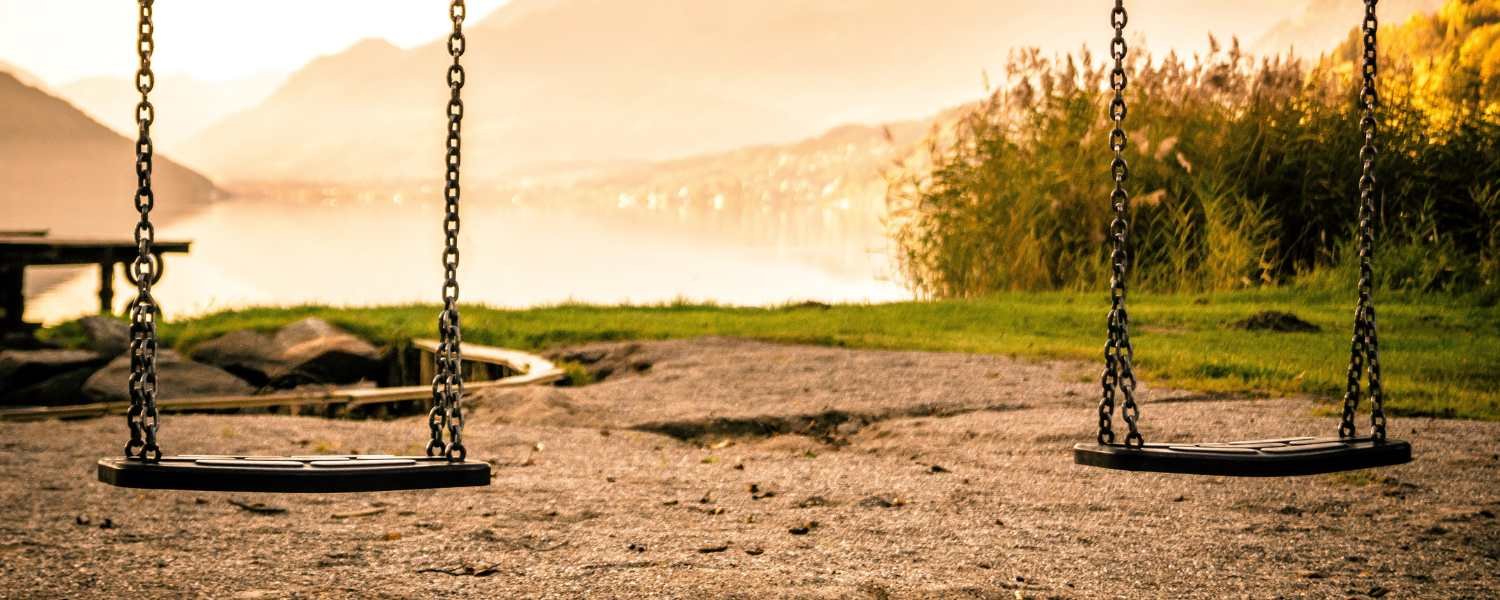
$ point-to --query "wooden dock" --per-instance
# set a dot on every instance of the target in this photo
(528, 369)
(21, 249)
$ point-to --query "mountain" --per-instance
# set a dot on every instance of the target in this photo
(583, 82)
(1323, 24)
(22, 75)
(62, 171)
(184, 105)
(588, 81)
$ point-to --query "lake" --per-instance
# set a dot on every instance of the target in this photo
(374, 249)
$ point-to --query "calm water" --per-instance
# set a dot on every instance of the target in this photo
(371, 251)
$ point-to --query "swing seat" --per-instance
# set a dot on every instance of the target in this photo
(1254, 458)
(293, 474)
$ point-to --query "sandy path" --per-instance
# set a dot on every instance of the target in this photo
(597, 494)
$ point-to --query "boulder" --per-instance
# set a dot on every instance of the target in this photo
(63, 389)
(177, 378)
(310, 351)
(314, 351)
(105, 335)
(23, 368)
(251, 355)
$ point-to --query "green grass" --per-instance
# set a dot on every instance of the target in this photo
(1441, 354)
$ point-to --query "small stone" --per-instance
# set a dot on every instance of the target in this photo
(812, 501)
(936, 469)
(755, 551)
(714, 549)
(803, 529)
(881, 502)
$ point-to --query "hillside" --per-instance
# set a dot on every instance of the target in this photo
(185, 105)
(563, 82)
(61, 170)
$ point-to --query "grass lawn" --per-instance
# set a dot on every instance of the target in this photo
(1441, 355)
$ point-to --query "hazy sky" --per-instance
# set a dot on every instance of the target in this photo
(64, 40)
(61, 41)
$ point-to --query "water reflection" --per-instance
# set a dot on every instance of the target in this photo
(382, 247)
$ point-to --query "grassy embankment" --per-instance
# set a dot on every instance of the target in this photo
(1441, 354)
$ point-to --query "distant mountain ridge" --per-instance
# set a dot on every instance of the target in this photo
(185, 105)
(656, 80)
(608, 81)
(60, 170)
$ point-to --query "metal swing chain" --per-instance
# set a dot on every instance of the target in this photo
(1119, 354)
(448, 384)
(1364, 351)
(142, 416)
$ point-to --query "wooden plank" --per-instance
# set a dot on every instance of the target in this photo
(527, 364)
(22, 250)
(33, 241)
(542, 372)
(514, 359)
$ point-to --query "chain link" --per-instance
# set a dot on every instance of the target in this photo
(1119, 354)
(1364, 350)
(145, 269)
(448, 384)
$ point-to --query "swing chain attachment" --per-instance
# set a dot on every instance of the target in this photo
(448, 384)
(1364, 351)
(145, 269)
(1119, 354)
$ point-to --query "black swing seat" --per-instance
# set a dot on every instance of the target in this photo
(1254, 458)
(293, 474)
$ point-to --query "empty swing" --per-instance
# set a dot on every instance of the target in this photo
(144, 466)
(1253, 458)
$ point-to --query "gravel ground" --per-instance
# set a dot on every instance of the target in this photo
(719, 468)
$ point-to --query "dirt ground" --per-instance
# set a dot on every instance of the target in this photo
(719, 468)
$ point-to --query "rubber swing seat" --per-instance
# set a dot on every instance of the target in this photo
(293, 474)
(1253, 458)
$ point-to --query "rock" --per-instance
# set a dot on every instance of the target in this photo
(56, 391)
(315, 351)
(105, 335)
(310, 351)
(23, 368)
(251, 355)
(804, 528)
(177, 376)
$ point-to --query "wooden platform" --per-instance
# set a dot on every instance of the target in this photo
(21, 249)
